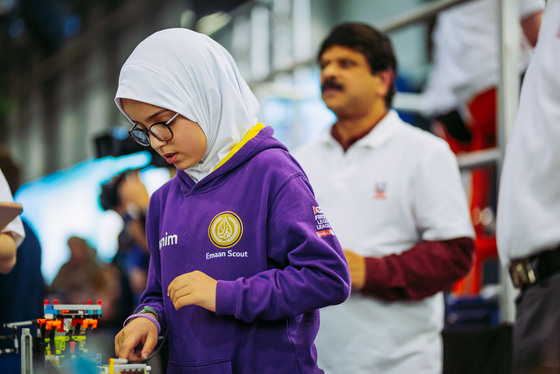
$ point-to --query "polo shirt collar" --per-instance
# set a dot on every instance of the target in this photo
(377, 137)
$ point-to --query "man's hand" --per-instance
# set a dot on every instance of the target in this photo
(195, 288)
(136, 340)
(357, 266)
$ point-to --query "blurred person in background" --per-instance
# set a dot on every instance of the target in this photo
(22, 290)
(461, 91)
(83, 277)
(394, 197)
(128, 197)
(135, 199)
(79, 276)
(528, 221)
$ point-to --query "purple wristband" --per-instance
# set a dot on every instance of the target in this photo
(144, 315)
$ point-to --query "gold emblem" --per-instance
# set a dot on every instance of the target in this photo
(225, 230)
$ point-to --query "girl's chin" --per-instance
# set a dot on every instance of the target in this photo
(184, 165)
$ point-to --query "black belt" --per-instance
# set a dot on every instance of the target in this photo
(530, 270)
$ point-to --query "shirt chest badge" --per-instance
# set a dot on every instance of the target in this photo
(380, 189)
(225, 229)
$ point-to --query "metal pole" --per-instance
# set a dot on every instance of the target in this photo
(26, 352)
(508, 97)
(480, 158)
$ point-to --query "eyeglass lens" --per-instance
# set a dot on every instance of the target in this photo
(140, 136)
(159, 130)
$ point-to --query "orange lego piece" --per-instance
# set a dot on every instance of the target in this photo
(89, 323)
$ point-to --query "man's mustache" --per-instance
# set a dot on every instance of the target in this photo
(331, 84)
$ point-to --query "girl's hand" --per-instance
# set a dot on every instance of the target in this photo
(194, 288)
(136, 340)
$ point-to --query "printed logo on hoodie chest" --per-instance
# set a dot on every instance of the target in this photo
(225, 231)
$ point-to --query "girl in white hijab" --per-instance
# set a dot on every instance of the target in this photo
(241, 256)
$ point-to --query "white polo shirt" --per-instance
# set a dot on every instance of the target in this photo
(393, 188)
(528, 218)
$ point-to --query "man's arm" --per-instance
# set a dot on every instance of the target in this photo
(424, 270)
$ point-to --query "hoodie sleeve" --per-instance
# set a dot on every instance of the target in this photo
(307, 267)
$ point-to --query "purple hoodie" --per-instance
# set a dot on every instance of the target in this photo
(254, 225)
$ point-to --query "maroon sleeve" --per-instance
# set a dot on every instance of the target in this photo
(424, 270)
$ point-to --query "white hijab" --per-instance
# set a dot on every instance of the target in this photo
(187, 72)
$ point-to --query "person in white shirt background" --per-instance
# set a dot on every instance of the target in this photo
(461, 90)
(395, 200)
(528, 217)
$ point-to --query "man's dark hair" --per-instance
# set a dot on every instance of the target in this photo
(109, 196)
(373, 44)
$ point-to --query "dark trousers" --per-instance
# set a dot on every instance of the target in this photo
(536, 335)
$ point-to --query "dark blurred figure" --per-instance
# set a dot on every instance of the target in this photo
(126, 195)
(22, 291)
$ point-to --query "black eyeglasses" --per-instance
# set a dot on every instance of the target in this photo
(160, 131)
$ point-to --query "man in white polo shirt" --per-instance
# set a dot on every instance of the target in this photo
(528, 221)
(394, 197)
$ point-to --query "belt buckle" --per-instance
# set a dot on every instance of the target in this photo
(522, 273)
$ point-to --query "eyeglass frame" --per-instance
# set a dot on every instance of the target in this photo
(148, 131)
